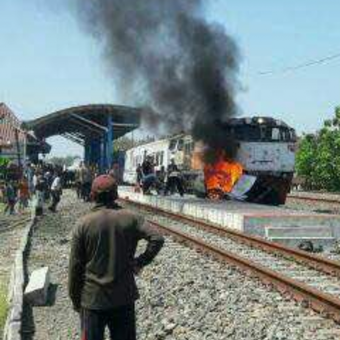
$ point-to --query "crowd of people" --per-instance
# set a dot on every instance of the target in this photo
(32, 188)
(103, 261)
(165, 181)
(41, 184)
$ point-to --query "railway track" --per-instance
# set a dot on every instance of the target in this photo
(306, 277)
(7, 224)
(314, 199)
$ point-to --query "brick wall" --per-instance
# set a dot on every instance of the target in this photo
(8, 125)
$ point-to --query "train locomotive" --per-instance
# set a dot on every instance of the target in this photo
(265, 148)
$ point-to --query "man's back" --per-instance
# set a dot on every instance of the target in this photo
(103, 255)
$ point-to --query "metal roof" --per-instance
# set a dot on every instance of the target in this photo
(83, 122)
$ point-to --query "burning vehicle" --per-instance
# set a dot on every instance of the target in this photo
(262, 162)
(265, 151)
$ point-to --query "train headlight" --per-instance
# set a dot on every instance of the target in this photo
(260, 120)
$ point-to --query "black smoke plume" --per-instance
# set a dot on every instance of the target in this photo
(165, 55)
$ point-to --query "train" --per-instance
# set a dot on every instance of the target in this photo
(265, 147)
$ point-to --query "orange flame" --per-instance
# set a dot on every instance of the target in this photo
(221, 176)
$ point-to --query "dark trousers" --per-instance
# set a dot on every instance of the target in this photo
(10, 207)
(86, 191)
(172, 184)
(55, 200)
(121, 323)
(148, 182)
(78, 189)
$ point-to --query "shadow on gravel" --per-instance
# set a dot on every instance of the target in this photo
(52, 294)
(28, 327)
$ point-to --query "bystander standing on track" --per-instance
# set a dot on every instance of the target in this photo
(29, 174)
(102, 265)
(10, 198)
(39, 193)
(24, 194)
(86, 181)
(56, 192)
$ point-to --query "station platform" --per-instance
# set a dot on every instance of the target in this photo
(290, 227)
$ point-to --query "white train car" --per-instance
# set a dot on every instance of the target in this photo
(158, 150)
(265, 149)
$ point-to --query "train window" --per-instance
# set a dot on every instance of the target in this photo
(173, 144)
(266, 133)
(285, 135)
(159, 158)
(187, 149)
(276, 134)
(180, 145)
(249, 133)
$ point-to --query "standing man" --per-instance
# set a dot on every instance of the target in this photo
(174, 179)
(11, 198)
(29, 174)
(102, 264)
(24, 194)
(86, 181)
(148, 173)
(56, 191)
(39, 190)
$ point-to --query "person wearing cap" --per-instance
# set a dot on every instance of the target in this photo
(103, 264)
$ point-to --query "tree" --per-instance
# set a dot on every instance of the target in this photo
(305, 160)
(318, 157)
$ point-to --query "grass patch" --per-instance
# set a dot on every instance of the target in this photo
(3, 307)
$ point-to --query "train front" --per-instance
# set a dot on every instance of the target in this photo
(264, 164)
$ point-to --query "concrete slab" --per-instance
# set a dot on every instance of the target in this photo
(37, 288)
(286, 226)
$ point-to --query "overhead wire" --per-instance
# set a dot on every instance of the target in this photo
(304, 65)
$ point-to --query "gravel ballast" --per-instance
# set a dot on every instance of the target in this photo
(184, 295)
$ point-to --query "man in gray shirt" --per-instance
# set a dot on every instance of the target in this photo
(102, 264)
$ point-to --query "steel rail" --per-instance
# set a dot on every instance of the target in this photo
(11, 226)
(323, 303)
(314, 199)
(314, 261)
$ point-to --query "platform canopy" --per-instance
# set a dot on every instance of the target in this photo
(87, 122)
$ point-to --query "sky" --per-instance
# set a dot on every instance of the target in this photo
(48, 63)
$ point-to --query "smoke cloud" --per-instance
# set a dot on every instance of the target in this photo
(165, 55)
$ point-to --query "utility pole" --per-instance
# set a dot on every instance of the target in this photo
(18, 146)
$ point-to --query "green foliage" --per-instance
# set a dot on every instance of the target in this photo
(3, 308)
(318, 157)
(4, 161)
